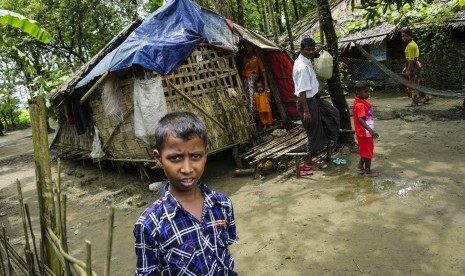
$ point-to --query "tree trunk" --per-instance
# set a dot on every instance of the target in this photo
(334, 83)
(278, 16)
(273, 20)
(2, 128)
(296, 13)
(240, 13)
(265, 17)
(288, 25)
(263, 27)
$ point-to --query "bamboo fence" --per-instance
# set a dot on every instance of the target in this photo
(50, 255)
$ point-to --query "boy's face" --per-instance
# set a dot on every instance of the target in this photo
(363, 93)
(259, 86)
(183, 162)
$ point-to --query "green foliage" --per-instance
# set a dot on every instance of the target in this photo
(412, 11)
(24, 24)
(440, 57)
(77, 30)
(153, 5)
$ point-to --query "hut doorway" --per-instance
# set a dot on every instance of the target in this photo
(273, 70)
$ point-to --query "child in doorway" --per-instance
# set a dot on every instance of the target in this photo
(261, 98)
(364, 128)
(188, 229)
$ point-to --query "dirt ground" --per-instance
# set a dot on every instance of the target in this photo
(408, 221)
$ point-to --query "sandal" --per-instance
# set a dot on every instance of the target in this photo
(306, 173)
(337, 161)
(303, 169)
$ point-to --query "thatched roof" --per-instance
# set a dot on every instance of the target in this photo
(65, 88)
(343, 14)
(303, 27)
(213, 36)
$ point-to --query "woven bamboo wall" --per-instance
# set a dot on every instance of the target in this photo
(205, 78)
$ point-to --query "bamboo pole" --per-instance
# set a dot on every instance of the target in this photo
(60, 217)
(43, 177)
(27, 246)
(93, 88)
(89, 258)
(26, 208)
(56, 241)
(273, 21)
(3, 242)
(111, 220)
(265, 17)
(2, 266)
(194, 103)
(11, 253)
(29, 261)
(288, 25)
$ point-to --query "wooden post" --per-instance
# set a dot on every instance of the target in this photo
(43, 179)
(111, 220)
(237, 157)
(89, 258)
(275, 93)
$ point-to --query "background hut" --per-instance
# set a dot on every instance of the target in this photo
(183, 57)
(383, 41)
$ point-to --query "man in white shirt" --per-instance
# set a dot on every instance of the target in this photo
(320, 119)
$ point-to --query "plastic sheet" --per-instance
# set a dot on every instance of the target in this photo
(112, 99)
(218, 33)
(162, 42)
(97, 151)
(149, 107)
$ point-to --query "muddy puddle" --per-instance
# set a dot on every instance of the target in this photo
(368, 190)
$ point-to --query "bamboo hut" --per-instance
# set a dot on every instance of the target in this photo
(182, 57)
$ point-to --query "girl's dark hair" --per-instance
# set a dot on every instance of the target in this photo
(184, 125)
(407, 31)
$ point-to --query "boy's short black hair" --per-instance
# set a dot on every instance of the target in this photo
(361, 85)
(184, 125)
(307, 42)
(407, 31)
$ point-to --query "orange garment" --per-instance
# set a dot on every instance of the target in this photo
(262, 102)
(252, 66)
(265, 118)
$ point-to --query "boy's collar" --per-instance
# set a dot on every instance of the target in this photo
(171, 204)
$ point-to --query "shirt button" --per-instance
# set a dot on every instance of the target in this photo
(210, 257)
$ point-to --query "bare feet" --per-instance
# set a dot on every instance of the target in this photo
(370, 174)
(360, 169)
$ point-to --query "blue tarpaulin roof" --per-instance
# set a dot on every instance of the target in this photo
(165, 39)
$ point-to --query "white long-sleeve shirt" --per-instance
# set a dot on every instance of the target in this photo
(304, 77)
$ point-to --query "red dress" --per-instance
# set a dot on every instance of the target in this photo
(363, 109)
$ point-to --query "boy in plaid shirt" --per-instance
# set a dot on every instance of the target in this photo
(188, 229)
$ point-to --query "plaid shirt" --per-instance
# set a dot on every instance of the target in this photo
(171, 241)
